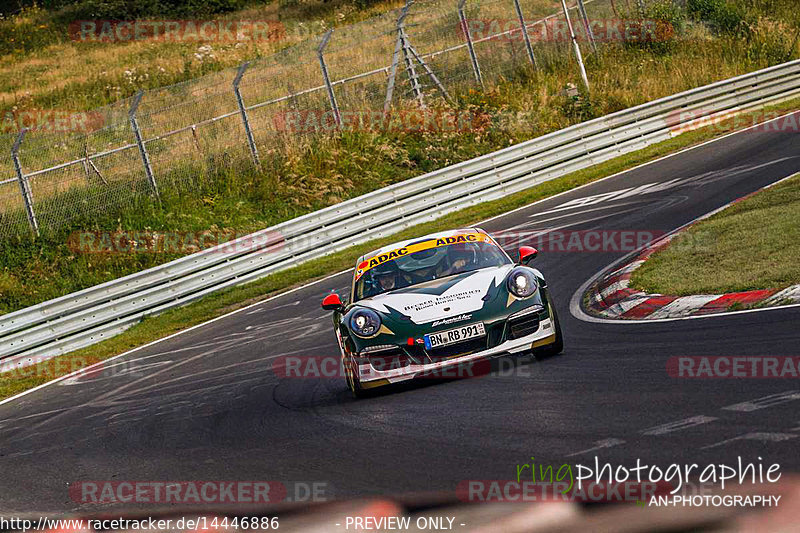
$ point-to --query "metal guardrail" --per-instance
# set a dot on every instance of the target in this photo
(91, 315)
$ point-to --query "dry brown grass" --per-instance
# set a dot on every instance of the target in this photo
(34, 77)
(621, 77)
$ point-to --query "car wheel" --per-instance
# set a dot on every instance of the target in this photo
(353, 382)
(556, 347)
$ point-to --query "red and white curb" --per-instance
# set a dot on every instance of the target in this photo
(611, 296)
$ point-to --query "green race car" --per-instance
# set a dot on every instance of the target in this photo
(421, 307)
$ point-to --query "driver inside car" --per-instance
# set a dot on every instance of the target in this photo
(459, 258)
(389, 277)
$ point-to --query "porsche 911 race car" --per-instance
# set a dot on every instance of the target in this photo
(425, 305)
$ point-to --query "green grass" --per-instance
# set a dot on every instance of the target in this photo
(226, 301)
(751, 245)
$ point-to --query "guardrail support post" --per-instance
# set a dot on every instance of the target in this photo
(575, 47)
(24, 185)
(331, 95)
(243, 111)
(148, 170)
(476, 69)
(587, 25)
(525, 36)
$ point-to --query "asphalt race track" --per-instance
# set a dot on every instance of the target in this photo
(208, 405)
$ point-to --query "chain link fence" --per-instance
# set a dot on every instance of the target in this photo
(419, 57)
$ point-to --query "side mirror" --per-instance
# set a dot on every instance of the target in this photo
(332, 302)
(527, 254)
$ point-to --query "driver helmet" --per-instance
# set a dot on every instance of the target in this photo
(461, 252)
(386, 275)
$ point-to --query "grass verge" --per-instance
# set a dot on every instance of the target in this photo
(750, 245)
(229, 300)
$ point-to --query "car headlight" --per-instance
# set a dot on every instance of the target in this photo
(522, 283)
(365, 323)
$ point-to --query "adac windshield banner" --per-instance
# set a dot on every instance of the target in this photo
(418, 247)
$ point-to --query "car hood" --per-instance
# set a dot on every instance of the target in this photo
(443, 298)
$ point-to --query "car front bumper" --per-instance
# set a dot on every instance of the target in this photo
(371, 377)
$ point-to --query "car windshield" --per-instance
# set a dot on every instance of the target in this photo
(435, 260)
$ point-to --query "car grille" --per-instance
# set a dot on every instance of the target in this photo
(522, 326)
(389, 360)
(458, 349)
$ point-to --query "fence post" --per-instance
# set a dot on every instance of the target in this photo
(476, 69)
(575, 47)
(587, 25)
(24, 185)
(525, 36)
(411, 72)
(242, 111)
(140, 143)
(387, 103)
(331, 95)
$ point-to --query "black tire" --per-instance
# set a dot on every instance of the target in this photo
(353, 383)
(558, 346)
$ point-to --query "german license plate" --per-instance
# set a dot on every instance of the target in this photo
(452, 336)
